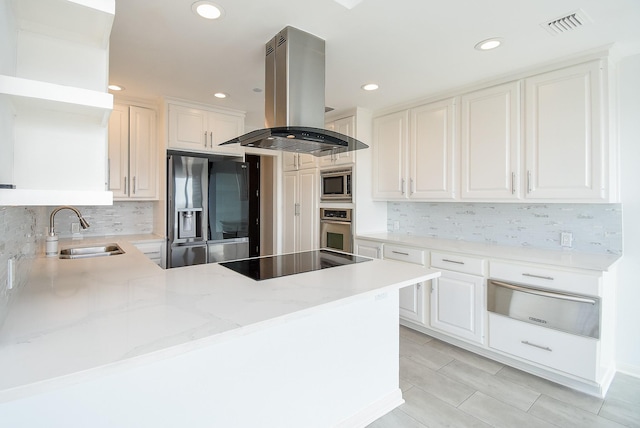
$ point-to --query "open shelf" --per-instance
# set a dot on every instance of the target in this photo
(20, 197)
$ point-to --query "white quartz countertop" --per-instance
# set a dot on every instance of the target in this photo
(80, 318)
(564, 259)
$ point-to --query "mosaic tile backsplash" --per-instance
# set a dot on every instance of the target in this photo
(596, 228)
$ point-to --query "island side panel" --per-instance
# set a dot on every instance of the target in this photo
(317, 368)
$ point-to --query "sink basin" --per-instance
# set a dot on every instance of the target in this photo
(87, 252)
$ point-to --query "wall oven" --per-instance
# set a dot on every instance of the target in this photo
(335, 229)
(335, 185)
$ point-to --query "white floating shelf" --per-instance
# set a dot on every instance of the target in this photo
(20, 197)
(26, 93)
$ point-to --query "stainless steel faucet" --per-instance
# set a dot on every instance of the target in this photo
(83, 222)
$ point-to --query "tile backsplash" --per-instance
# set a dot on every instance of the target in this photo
(596, 228)
(121, 218)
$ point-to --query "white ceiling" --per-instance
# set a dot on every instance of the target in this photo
(411, 48)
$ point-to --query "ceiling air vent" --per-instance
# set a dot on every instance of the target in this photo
(569, 22)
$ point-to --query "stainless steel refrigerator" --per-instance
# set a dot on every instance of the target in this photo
(207, 210)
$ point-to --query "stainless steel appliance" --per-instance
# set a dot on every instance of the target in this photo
(335, 229)
(207, 209)
(335, 185)
(294, 99)
(560, 311)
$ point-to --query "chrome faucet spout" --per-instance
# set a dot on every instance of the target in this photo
(83, 222)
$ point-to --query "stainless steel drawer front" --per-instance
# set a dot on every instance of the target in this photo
(565, 312)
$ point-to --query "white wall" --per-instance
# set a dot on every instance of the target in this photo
(628, 320)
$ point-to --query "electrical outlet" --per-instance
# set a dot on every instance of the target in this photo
(566, 239)
(75, 227)
(396, 225)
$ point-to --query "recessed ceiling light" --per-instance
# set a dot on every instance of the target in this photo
(116, 87)
(220, 95)
(207, 9)
(488, 44)
(370, 87)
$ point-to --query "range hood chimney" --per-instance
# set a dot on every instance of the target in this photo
(294, 99)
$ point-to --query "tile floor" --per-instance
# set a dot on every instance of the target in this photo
(445, 386)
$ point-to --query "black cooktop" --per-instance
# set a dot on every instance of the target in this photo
(260, 268)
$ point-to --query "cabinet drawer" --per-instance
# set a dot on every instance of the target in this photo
(410, 255)
(457, 263)
(576, 355)
(572, 282)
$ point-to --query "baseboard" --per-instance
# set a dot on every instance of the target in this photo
(373, 411)
(628, 369)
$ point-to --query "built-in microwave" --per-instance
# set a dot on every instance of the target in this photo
(335, 185)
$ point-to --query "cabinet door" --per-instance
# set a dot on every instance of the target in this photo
(412, 302)
(143, 153)
(306, 161)
(223, 128)
(564, 144)
(290, 221)
(368, 249)
(345, 126)
(431, 156)
(490, 143)
(389, 156)
(119, 151)
(188, 128)
(309, 211)
(457, 305)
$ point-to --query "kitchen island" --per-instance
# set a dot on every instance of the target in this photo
(116, 341)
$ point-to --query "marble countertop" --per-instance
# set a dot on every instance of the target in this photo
(558, 258)
(80, 318)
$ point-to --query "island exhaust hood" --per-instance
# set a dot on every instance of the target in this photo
(294, 99)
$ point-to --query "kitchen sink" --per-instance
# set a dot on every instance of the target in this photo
(88, 252)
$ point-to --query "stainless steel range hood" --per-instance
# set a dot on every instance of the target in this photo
(294, 99)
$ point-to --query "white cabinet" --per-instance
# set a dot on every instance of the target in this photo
(345, 126)
(54, 107)
(301, 212)
(368, 248)
(490, 143)
(414, 153)
(296, 161)
(202, 130)
(566, 150)
(133, 153)
(413, 298)
(458, 299)
(152, 249)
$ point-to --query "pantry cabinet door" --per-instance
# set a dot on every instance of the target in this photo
(490, 143)
(143, 153)
(390, 147)
(564, 135)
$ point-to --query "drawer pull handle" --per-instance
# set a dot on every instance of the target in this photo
(453, 261)
(550, 278)
(544, 348)
(544, 293)
(400, 252)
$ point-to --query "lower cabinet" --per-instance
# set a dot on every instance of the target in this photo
(151, 249)
(457, 303)
(413, 299)
(368, 249)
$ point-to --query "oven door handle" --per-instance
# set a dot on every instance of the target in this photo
(544, 293)
(336, 222)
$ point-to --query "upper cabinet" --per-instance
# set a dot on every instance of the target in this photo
(345, 126)
(54, 105)
(490, 143)
(292, 161)
(563, 152)
(566, 143)
(197, 129)
(413, 153)
(133, 153)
